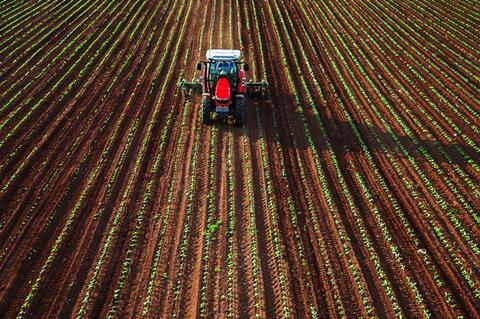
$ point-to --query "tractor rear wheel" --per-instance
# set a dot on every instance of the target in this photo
(206, 110)
(239, 114)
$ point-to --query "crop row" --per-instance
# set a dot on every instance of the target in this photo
(340, 55)
(105, 153)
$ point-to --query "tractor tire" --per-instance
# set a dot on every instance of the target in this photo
(239, 114)
(206, 110)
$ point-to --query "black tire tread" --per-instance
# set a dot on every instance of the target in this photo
(206, 109)
(239, 114)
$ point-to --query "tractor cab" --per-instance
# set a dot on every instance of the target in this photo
(222, 64)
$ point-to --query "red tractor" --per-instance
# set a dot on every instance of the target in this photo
(223, 86)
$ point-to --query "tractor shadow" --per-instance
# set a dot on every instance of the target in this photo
(341, 135)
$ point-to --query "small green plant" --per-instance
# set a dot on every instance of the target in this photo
(212, 228)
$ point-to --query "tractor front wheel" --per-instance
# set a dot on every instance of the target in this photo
(239, 115)
(206, 110)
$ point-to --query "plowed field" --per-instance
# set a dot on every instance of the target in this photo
(353, 190)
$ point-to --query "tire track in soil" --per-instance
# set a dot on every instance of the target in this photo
(192, 296)
(273, 296)
(218, 281)
(199, 231)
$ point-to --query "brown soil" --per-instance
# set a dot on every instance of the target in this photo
(353, 189)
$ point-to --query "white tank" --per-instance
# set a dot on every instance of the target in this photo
(222, 54)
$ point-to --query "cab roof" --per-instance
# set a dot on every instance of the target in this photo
(223, 55)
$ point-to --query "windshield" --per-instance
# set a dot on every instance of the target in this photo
(222, 67)
(226, 66)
